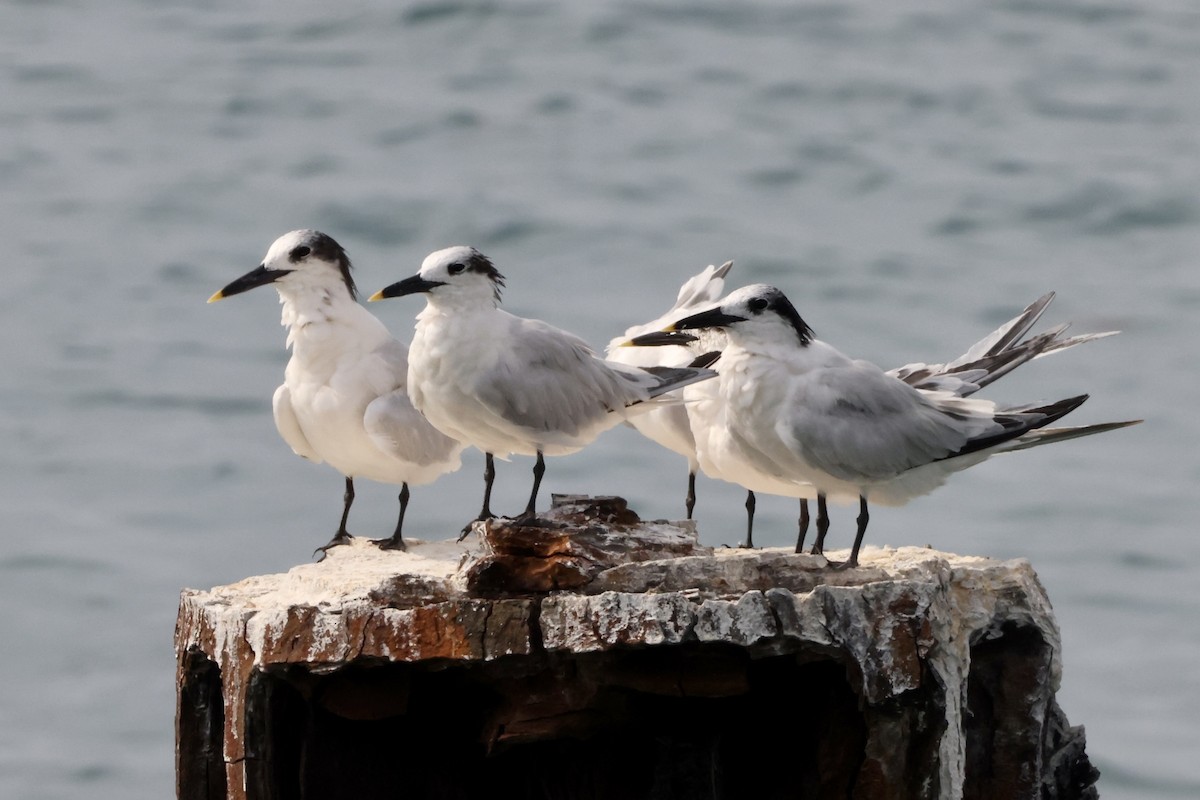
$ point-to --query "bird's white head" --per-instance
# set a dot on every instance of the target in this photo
(757, 312)
(459, 276)
(303, 259)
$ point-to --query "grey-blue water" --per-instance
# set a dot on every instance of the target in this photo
(910, 177)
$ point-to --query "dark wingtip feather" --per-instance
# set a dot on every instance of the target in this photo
(1049, 435)
(671, 378)
(706, 360)
(1056, 411)
(1019, 421)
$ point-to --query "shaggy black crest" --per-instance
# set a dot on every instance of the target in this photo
(478, 262)
(777, 301)
(326, 248)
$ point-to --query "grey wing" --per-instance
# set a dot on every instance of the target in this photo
(701, 289)
(995, 355)
(289, 426)
(400, 430)
(972, 366)
(388, 367)
(858, 424)
(550, 381)
(1007, 335)
(391, 421)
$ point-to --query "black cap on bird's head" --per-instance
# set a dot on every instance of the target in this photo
(746, 304)
(464, 268)
(300, 250)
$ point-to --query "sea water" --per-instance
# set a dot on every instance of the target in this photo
(911, 177)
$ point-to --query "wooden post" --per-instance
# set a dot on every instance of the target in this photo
(595, 655)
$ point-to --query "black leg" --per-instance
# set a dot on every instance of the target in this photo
(691, 494)
(489, 475)
(803, 525)
(750, 505)
(818, 548)
(342, 536)
(863, 519)
(539, 469)
(397, 540)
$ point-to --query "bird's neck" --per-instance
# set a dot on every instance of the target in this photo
(323, 313)
(444, 333)
(461, 301)
(782, 355)
(457, 310)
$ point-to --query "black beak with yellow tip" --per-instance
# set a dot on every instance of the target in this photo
(259, 276)
(414, 285)
(660, 339)
(713, 318)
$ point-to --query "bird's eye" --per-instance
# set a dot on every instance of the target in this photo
(758, 304)
(456, 268)
(299, 252)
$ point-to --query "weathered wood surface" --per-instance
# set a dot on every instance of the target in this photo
(612, 657)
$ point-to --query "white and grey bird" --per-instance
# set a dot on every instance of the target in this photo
(505, 384)
(668, 425)
(344, 399)
(798, 417)
(989, 359)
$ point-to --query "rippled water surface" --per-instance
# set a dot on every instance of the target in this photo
(910, 177)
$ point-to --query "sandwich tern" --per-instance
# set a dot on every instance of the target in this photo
(668, 425)
(991, 358)
(796, 417)
(672, 426)
(504, 384)
(343, 399)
